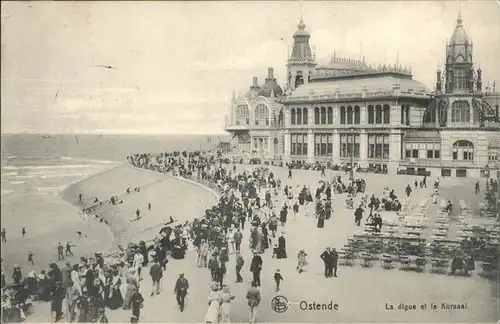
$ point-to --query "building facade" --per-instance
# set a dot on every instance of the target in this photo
(255, 120)
(346, 112)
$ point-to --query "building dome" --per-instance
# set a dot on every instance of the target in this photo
(270, 87)
(459, 36)
(301, 31)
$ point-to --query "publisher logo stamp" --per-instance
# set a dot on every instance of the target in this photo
(279, 304)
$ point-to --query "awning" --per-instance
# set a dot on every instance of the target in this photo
(422, 137)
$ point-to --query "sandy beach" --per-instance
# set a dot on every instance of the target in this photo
(361, 293)
(169, 197)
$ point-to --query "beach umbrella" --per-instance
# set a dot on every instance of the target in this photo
(167, 230)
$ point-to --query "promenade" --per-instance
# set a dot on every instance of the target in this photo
(361, 293)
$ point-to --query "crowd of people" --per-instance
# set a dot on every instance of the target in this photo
(254, 199)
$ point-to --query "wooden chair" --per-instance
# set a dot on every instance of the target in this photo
(404, 262)
(367, 260)
(420, 263)
(387, 261)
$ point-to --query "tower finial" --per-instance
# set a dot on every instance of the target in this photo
(301, 11)
(459, 16)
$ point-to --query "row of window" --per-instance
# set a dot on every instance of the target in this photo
(246, 121)
(378, 145)
(299, 116)
(429, 150)
(298, 144)
(462, 150)
(348, 115)
(261, 143)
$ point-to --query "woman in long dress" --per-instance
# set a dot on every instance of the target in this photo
(258, 238)
(115, 299)
(132, 287)
(225, 308)
(321, 218)
(75, 277)
(214, 302)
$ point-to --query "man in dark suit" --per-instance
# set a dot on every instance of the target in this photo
(326, 256)
(256, 267)
(335, 256)
(180, 291)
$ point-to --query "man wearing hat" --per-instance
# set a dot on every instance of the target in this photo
(256, 267)
(327, 258)
(180, 291)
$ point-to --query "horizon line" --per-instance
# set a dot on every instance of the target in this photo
(115, 134)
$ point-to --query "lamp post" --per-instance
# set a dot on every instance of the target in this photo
(351, 172)
(487, 175)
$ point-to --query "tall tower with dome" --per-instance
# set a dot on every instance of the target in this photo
(302, 61)
(461, 113)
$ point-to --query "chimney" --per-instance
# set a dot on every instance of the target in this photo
(270, 73)
(255, 82)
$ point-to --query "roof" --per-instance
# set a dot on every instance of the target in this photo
(339, 63)
(270, 86)
(422, 136)
(368, 83)
(459, 36)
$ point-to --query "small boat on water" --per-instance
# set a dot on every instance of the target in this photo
(47, 136)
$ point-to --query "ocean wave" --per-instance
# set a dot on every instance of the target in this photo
(6, 174)
(15, 182)
(44, 175)
(41, 167)
(34, 191)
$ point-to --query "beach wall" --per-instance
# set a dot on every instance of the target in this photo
(169, 196)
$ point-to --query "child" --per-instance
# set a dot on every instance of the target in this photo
(277, 279)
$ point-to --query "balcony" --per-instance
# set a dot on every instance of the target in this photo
(413, 162)
(238, 125)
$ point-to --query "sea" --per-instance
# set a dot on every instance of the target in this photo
(36, 168)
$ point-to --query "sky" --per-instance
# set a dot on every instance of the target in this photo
(176, 64)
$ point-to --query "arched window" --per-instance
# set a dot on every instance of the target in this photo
(280, 118)
(349, 115)
(316, 116)
(408, 109)
(387, 114)
(299, 116)
(342, 115)
(371, 118)
(378, 114)
(330, 115)
(403, 112)
(242, 115)
(460, 112)
(261, 115)
(463, 150)
(304, 116)
(323, 115)
(293, 116)
(357, 115)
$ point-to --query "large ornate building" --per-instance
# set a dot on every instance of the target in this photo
(347, 112)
